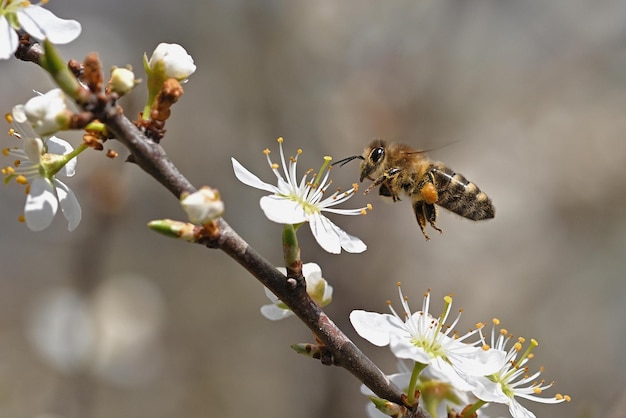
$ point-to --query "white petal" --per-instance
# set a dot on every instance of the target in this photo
(271, 296)
(41, 205)
(374, 327)
(332, 238)
(249, 179)
(487, 390)
(21, 123)
(33, 147)
(281, 210)
(8, 39)
(61, 147)
(350, 243)
(274, 313)
(42, 111)
(69, 205)
(478, 362)
(518, 411)
(447, 373)
(402, 347)
(324, 232)
(42, 23)
(312, 273)
(175, 60)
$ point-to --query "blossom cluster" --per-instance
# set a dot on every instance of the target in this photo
(40, 157)
(452, 371)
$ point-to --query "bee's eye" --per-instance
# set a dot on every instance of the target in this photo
(377, 154)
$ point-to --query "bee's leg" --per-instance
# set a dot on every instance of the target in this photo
(427, 189)
(420, 214)
(431, 215)
(383, 182)
(384, 190)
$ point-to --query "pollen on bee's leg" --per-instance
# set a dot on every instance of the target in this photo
(429, 193)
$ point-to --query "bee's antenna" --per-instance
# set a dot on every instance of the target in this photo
(345, 161)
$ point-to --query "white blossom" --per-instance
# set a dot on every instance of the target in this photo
(36, 21)
(37, 165)
(318, 289)
(428, 340)
(295, 202)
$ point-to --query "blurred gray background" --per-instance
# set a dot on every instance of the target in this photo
(525, 98)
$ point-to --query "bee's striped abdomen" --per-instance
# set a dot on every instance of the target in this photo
(459, 195)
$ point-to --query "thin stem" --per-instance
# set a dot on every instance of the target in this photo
(291, 252)
(417, 369)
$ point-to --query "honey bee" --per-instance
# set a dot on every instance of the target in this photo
(397, 169)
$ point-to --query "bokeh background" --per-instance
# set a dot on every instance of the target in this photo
(525, 98)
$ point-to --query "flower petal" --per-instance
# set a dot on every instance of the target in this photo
(274, 313)
(61, 147)
(518, 411)
(42, 23)
(474, 361)
(33, 147)
(249, 179)
(281, 210)
(324, 232)
(350, 243)
(402, 347)
(69, 205)
(374, 327)
(8, 39)
(332, 238)
(21, 123)
(41, 204)
(43, 111)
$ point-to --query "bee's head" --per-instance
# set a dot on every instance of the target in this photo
(373, 158)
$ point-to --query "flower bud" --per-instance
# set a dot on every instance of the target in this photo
(46, 113)
(170, 61)
(122, 81)
(203, 206)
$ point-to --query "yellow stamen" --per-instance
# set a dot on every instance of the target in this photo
(274, 166)
(21, 179)
(266, 151)
(8, 171)
(495, 321)
(21, 219)
(5, 152)
(369, 206)
(8, 117)
(280, 140)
